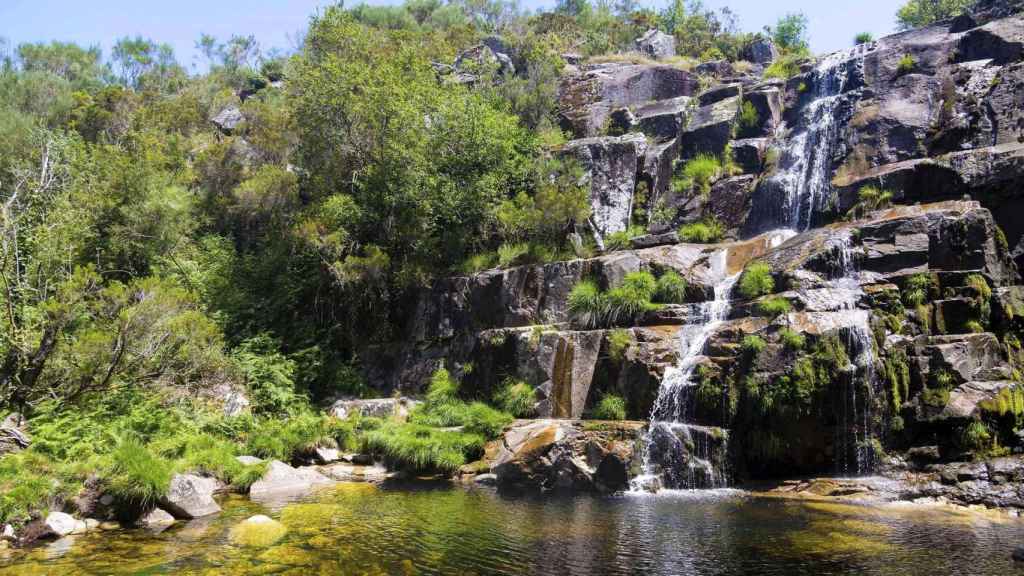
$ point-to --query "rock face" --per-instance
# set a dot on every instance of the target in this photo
(588, 97)
(13, 437)
(760, 50)
(559, 455)
(656, 44)
(190, 496)
(611, 167)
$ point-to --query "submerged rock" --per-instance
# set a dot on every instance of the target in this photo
(283, 480)
(156, 520)
(258, 531)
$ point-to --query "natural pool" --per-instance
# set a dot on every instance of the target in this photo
(363, 529)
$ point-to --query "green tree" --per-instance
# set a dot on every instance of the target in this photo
(790, 33)
(918, 13)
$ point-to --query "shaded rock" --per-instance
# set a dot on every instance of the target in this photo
(664, 119)
(719, 93)
(729, 200)
(326, 455)
(656, 44)
(374, 408)
(710, 128)
(228, 119)
(236, 402)
(1018, 554)
(190, 496)
(1000, 40)
(611, 167)
(486, 479)
(716, 68)
(749, 154)
(760, 50)
(568, 359)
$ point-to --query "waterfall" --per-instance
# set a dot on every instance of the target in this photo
(801, 187)
(678, 454)
(854, 454)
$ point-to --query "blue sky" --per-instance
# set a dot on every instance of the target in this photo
(276, 22)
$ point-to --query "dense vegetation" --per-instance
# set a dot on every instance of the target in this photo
(152, 264)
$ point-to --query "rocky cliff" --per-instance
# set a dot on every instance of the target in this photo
(898, 347)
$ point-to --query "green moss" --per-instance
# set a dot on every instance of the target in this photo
(756, 280)
(936, 398)
(897, 372)
(917, 289)
(611, 407)
(257, 532)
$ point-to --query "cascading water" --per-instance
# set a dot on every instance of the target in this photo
(854, 454)
(678, 454)
(801, 186)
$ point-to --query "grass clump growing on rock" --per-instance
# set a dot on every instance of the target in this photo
(587, 304)
(869, 199)
(621, 240)
(791, 339)
(419, 448)
(707, 231)
(774, 307)
(917, 289)
(906, 65)
(517, 398)
(749, 117)
(138, 476)
(619, 341)
(756, 281)
(698, 174)
(863, 38)
(589, 307)
(753, 345)
(670, 288)
(611, 407)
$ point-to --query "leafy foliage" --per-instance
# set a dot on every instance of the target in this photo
(756, 280)
(610, 407)
(706, 231)
(918, 13)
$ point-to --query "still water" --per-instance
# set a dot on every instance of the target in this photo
(363, 529)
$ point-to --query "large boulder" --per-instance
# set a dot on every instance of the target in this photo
(283, 480)
(190, 496)
(568, 360)
(588, 97)
(611, 168)
(563, 455)
(656, 44)
(228, 119)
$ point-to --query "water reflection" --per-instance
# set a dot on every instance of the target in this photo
(361, 529)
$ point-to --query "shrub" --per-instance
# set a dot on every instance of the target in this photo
(773, 307)
(706, 231)
(632, 298)
(698, 173)
(784, 67)
(975, 436)
(587, 304)
(791, 339)
(670, 289)
(28, 482)
(138, 477)
(485, 421)
(756, 281)
(619, 341)
(906, 64)
(863, 38)
(611, 407)
(753, 344)
(511, 254)
(517, 398)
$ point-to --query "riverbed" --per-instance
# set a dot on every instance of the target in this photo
(444, 529)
